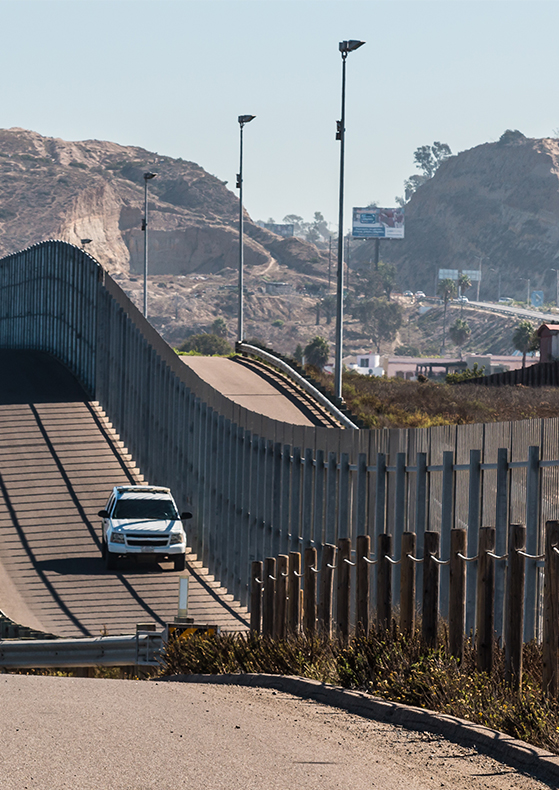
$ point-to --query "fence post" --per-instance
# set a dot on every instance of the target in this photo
(326, 589)
(447, 507)
(294, 593)
(430, 588)
(485, 593)
(384, 582)
(457, 594)
(514, 607)
(280, 614)
(269, 583)
(532, 517)
(309, 599)
(407, 584)
(256, 596)
(551, 609)
(362, 584)
(344, 584)
(474, 499)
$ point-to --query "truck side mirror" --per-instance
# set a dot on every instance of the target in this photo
(103, 514)
(185, 515)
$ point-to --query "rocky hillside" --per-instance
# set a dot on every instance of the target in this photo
(91, 189)
(497, 200)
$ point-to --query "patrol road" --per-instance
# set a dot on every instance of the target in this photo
(59, 459)
(61, 733)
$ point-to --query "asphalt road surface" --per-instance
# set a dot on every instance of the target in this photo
(59, 459)
(91, 734)
(246, 388)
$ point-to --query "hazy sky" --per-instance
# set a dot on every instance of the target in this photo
(173, 75)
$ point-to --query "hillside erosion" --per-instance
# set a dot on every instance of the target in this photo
(95, 190)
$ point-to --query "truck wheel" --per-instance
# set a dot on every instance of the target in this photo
(180, 562)
(110, 561)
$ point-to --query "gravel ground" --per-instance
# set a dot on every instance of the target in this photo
(132, 735)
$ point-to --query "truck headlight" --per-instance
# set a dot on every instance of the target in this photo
(176, 537)
(117, 537)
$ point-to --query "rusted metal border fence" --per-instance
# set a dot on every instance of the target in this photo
(264, 488)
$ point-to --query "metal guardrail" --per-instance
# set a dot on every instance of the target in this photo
(141, 649)
(300, 380)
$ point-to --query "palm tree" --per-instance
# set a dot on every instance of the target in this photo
(460, 333)
(447, 290)
(464, 283)
(525, 339)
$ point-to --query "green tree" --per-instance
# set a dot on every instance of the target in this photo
(219, 328)
(317, 352)
(207, 345)
(525, 339)
(460, 333)
(464, 283)
(298, 354)
(447, 290)
(328, 307)
(381, 319)
(428, 158)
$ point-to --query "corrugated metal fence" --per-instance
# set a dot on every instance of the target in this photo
(260, 487)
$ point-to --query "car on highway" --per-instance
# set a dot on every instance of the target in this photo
(408, 293)
(143, 520)
(419, 295)
(461, 299)
(506, 300)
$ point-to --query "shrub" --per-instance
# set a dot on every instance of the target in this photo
(207, 345)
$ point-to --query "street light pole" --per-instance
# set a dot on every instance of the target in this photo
(345, 48)
(480, 258)
(243, 119)
(147, 177)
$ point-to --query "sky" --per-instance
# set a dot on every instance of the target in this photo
(172, 76)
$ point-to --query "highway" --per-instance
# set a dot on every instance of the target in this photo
(521, 312)
(59, 458)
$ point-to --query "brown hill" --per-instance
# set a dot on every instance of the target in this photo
(92, 189)
(498, 200)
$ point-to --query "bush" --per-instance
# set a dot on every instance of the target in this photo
(278, 323)
(466, 375)
(207, 345)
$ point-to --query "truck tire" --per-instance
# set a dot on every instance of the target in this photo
(180, 562)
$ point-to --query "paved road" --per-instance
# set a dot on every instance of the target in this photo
(247, 388)
(521, 312)
(59, 458)
(69, 733)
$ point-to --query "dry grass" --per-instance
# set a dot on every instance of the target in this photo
(396, 403)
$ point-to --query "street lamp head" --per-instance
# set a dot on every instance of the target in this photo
(350, 46)
(149, 176)
(246, 119)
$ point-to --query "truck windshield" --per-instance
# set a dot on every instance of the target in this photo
(148, 509)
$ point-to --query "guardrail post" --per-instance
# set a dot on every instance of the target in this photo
(280, 614)
(256, 596)
(551, 609)
(269, 594)
(362, 584)
(384, 582)
(326, 589)
(309, 598)
(457, 594)
(294, 593)
(344, 582)
(514, 607)
(485, 613)
(430, 588)
(407, 584)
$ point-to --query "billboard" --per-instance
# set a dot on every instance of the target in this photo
(281, 230)
(378, 223)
